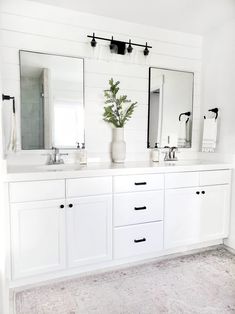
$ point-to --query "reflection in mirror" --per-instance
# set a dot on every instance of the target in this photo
(52, 106)
(170, 110)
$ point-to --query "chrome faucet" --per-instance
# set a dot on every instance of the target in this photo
(170, 154)
(55, 157)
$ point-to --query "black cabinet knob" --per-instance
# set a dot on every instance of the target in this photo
(70, 205)
(62, 206)
(197, 192)
(203, 192)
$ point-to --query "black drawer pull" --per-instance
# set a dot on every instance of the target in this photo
(140, 208)
(62, 206)
(70, 205)
(203, 192)
(140, 240)
(140, 183)
(197, 192)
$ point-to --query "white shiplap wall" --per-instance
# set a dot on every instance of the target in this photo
(37, 27)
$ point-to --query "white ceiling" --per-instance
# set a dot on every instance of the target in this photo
(191, 16)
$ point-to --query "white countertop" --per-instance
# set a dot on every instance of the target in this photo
(43, 172)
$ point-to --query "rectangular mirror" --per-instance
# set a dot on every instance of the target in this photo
(52, 100)
(170, 108)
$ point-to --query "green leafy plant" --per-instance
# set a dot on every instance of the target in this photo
(116, 112)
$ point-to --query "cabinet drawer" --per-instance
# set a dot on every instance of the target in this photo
(215, 177)
(88, 186)
(181, 180)
(139, 207)
(138, 239)
(37, 191)
(138, 183)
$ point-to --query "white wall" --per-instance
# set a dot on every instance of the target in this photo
(219, 82)
(219, 91)
(34, 26)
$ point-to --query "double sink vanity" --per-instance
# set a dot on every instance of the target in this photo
(68, 219)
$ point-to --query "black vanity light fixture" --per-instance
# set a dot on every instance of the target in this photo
(119, 47)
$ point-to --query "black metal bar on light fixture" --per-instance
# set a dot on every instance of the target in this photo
(114, 44)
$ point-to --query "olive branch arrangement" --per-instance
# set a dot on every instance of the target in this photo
(116, 113)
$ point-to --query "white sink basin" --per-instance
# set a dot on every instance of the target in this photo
(60, 167)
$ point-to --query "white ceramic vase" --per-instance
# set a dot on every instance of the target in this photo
(118, 145)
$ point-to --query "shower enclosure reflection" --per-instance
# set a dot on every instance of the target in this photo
(170, 108)
(52, 106)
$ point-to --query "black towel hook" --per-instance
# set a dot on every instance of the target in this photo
(188, 113)
(215, 111)
(7, 97)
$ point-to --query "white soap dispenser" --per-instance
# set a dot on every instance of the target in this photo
(83, 155)
(77, 154)
(155, 153)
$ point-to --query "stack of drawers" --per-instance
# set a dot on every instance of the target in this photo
(138, 214)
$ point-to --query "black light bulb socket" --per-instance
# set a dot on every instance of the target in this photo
(129, 48)
(112, 45)
(146, 51)
(93, 41)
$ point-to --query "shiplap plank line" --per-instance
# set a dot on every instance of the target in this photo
(101, 55)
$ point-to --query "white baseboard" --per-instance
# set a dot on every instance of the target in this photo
(230, 242)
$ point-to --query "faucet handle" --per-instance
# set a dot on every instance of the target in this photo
(174, 150)
(55, 149)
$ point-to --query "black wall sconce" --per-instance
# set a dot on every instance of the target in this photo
(119, 47)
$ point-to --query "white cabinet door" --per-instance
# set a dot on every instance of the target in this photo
(194, 215)
(38, 237)
(182, 217)
(214, 214)
(89, 227)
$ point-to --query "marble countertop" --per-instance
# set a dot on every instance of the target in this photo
(51, 172)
